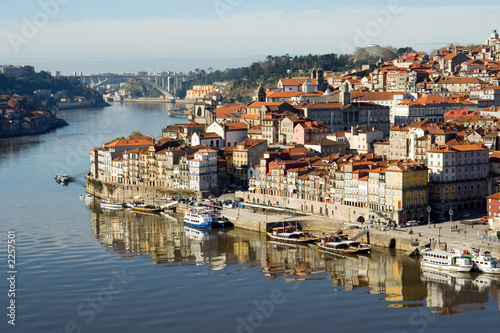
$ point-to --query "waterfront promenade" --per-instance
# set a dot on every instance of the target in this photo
(439, 235)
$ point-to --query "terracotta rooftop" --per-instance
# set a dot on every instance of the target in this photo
(225, 111)
(134, 141)
(235, 126)
(297, 81)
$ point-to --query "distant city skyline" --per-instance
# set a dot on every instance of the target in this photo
(154, 36)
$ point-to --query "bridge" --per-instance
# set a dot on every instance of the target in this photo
(167, 84)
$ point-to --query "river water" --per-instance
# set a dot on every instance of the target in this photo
(79, 269)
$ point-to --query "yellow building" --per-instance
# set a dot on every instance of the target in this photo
(246, 154)
(406, 190)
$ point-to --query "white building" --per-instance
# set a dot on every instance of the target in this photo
(203, 172)
(458, 178)
(359, 140)
(490, 93)
(458, 163)
(231, 132)
(209, 139)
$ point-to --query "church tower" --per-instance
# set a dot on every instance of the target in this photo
(320, 78)
(345, 94)
(261, 94)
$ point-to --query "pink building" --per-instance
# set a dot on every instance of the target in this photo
(310, 131)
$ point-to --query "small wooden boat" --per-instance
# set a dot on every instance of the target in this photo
(359, 247)
(111, 205)
(146, 209)
(336, 247)
(291, 234)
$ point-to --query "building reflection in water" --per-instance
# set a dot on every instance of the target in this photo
(165, 240)
(11, 148)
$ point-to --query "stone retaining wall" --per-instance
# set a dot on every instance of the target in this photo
(400, 240)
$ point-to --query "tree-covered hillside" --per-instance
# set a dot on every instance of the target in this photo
(267, 72)
(44, 81)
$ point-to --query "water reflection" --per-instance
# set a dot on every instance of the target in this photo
(11, 147)
(453, 293)
(166, 241)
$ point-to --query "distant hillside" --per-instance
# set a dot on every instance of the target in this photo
(267, 72)
(26, 85)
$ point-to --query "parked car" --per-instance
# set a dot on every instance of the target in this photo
(229, 205)
(412, 223)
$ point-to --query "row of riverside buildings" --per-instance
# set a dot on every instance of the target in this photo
(338, 146)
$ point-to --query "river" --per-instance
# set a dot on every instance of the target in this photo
(81, 270)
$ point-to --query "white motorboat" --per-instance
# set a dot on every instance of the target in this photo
(111, 205)
(486, 263)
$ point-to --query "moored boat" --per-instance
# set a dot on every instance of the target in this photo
(87, 197)
(453, 262)
(336, 247)
(291, 234)
(203, 217)
(486, 263)
(359, 247)
(146, 209)
(111, 205)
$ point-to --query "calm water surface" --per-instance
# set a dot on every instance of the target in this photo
(82, 269)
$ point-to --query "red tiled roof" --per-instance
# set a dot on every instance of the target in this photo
(134, 141)
(374, 95)
(225, 111)
(297, 81)
(235, 126)
(261, 104)
(323, 105)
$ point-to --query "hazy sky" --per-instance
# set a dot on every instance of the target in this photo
(94, 36)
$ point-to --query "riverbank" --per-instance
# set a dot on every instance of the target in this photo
(81, 106)
(439, 236)
(126, 193)
(50, 125)
(154, 100)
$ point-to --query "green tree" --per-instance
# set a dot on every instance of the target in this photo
(135, 133)
(404, 51)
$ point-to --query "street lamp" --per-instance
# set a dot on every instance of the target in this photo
(451, 216)
(429, 216)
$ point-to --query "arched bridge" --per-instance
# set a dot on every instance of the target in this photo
(142, 78)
